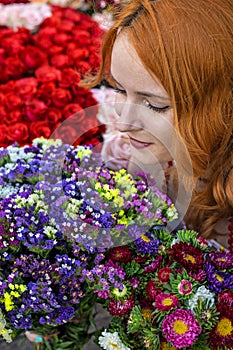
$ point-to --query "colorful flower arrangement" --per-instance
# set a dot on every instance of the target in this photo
(59, 214)
(39, 76)
(166, 291)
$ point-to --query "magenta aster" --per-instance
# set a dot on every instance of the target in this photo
(181, 328)
(152, 290)
(163, 274)
(165, 302)
(185, 287)
(121, 308)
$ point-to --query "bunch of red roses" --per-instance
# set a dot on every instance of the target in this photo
(39, 76)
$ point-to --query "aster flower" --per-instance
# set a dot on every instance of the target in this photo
(120, 308)
(201, 295)
(221, 260)
(185, 287)
(121, 254)
(180, 328)
(146, 244)
(188, 256)
(222, 335)
(165, 302)
(152, 290)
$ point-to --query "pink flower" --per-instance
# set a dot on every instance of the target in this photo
(116, 151)
(181, 328)
(185, 287)
(165, 302)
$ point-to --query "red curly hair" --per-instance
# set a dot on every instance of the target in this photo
(187, 45)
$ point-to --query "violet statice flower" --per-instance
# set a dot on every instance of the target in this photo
(59, 316)
(145, 244)
(218, 280)
(180, 328)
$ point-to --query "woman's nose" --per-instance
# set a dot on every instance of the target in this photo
(128, 113)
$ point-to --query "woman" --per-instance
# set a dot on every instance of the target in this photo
(171, 63)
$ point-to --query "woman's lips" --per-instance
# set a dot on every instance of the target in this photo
(139, 144)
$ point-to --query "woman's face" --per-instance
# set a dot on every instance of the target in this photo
(144, 107)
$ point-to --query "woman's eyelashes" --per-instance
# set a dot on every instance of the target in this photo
(145, 102)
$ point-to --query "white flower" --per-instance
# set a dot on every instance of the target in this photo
(111, 341)
(202, 294)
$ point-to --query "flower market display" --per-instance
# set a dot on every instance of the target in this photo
(171, 292)
(39, 76)
(60, 212)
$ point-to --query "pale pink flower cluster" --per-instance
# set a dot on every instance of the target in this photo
(29, 15)
(116, 147)
(104, 20)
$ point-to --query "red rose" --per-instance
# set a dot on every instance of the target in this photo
(62, 38)
(46, 74)
(53, 115)
(13, 117)
(84, 97)
(3, 113)
(8, 87)
(83, 67)
(75, 110)
(43, 43)
(67, 25)
(81, 37)
(14, 67)
(67, 133)
(2, 135)
(51, 22)
(61, 97)
(72, 15)
(2, 55)
(4, 76)
(33, 57)
(55, 50)
(45, 92)
(13, 101)
(35, 109)
(59, 61)
(18, 132)
(12, 45)
(46, 32)
(40, 128)
(77, 54)
(26, 87)
(69, 78)
(2, 99)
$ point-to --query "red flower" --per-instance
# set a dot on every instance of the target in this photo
(34, 109)
(69, 77)
(59, 61)
(165, 302)
(13, 101)
(121, 308)
(67, 133)
(47, 74)
(40, 128)
(32, 57)
(2, 135)
(75, 110)
(18, 132)
(13, 117)
(163, 274)
(222, 335)
(26, 88)
(152, 290)
(119, 254)
(14, 67)
(53, 115)
(61, 97)
(188, 256)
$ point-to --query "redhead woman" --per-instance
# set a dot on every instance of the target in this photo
(171, 63)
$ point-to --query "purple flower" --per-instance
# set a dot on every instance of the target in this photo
(145, 244)
(218, 280)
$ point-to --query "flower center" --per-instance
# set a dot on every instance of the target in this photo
(222, 259)
(180, 327)
(146, 314)
(167, 301)
(224, 327)
(190, 258)
(145, 238)
(219, 278)
(114, 346)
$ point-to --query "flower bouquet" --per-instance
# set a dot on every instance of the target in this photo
(166, 291)
(60, 210)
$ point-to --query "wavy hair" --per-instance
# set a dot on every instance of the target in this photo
(187, 45)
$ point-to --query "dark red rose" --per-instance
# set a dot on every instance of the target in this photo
(3, 113)
(14, 67)
(81, 37)
(53, 115)
(33, 57)
(8, 87)
(46, 74)
(40, 128)
(4, 76)
(26, 88)
(2, 99)
(59, 61)
(69, 78)
(67, 25)
(61, 97)
(67, 133)
(62, 38)
(12, 45)
(18, 132)
(14, 117)
(76, 54)
(43, 43)
(74, 108)
(35, 109)
(46, 89)
(13, 101)
(84, 98)
(83, 67)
